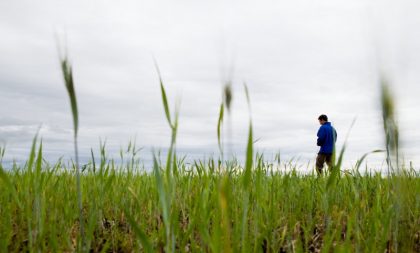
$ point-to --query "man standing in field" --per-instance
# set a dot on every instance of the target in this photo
(326, 140)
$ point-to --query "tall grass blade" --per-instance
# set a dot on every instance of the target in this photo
(219, 126)
(32, 153)
(249, 156)
(335, 172)
(389, 124)
(392, 157)
(93, 161)
(224, 209)
(247, 177)
(336, 168)
(248, 100)
(2, 150)
(68, 81)
(164, 98)
(227, 95)
(163, 199)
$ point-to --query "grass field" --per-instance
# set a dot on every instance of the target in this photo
(199, 208)
(212, 205)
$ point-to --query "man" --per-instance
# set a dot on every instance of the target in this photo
(327, 137)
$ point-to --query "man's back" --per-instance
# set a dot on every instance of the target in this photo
(326, 138)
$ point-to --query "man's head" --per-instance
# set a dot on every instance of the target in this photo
(322, 119)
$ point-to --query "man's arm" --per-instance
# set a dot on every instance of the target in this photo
(321, 137)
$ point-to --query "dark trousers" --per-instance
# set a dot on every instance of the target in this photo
(321, 159)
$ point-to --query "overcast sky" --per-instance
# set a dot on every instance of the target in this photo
(298, 58)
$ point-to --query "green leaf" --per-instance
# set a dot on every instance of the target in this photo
(32, 153)
(2, 150)
(161, 190)
(219, 125)
(249, 155)
(227, 95)
(68, 81)
(248, 100)
(164, 98)
(38, 165)
(93, 160)
(249, 148)
(390, 124)
(335, 172)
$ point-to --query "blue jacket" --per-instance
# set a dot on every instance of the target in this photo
(326, 138)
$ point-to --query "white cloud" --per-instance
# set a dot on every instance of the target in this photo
(299, 59)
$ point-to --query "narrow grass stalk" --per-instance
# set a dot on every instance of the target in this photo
(390, 126)
(167, 193)
(68, 81)
(219, 128)
(227, 105)
(392, 157)
(247, 178)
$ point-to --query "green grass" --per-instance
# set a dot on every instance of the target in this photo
(206, 211)
(210, 205)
